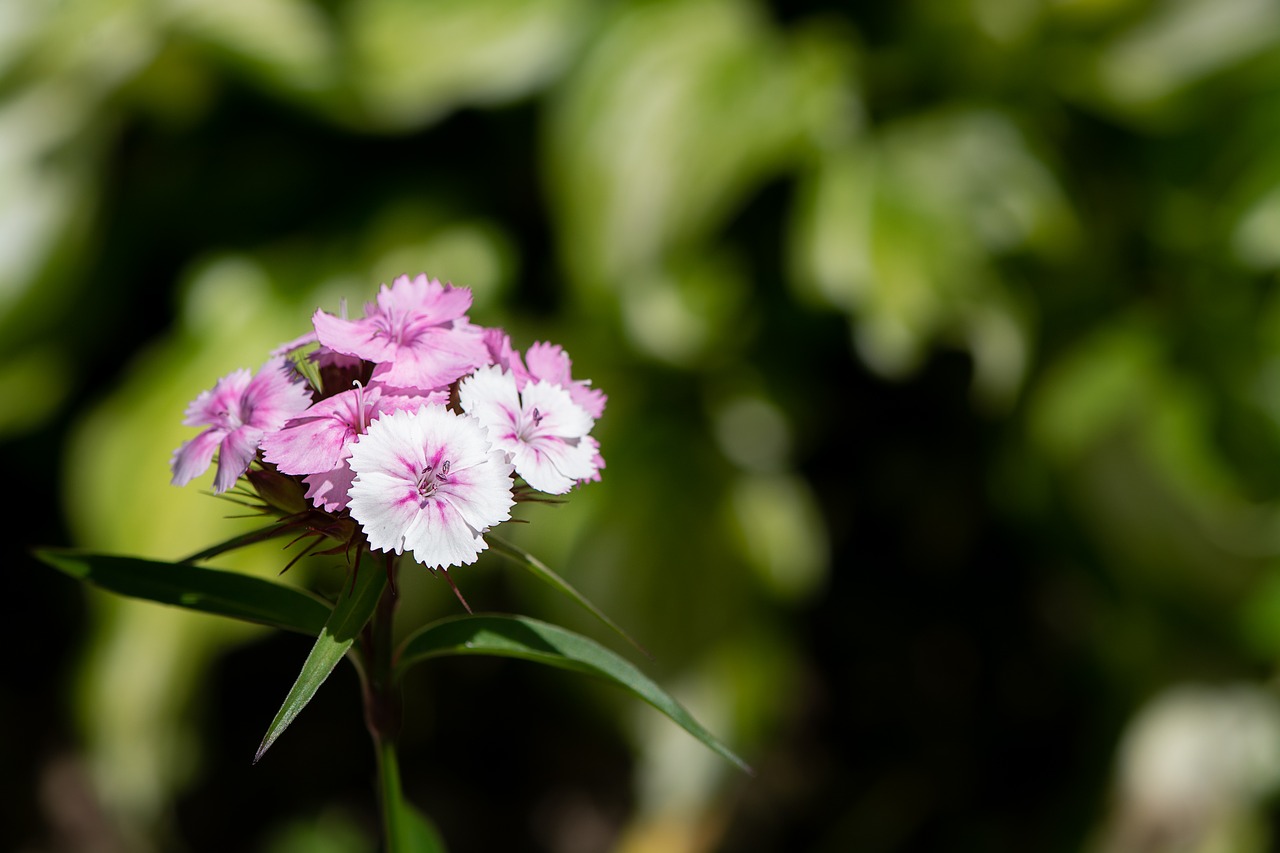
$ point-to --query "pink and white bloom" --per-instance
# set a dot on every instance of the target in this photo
(429, 482)
(318, 442)
(417, 334)
(239, 411)
(549, 362)
(320, 438)
(541, 427)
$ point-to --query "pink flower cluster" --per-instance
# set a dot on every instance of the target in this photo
(415, 423)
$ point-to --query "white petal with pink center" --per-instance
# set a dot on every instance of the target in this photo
(429, 482)
(543, 430)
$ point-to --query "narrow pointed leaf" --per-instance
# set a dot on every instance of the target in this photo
(221, 593)
(345, 623)
(271, 531)
(544, 573)
(530, 639)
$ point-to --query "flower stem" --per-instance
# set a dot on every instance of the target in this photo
(390, 795)
(382, 708)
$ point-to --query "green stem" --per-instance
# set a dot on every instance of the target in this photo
(391, 796)
(382, 708)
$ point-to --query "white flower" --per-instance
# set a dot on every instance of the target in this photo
(545, 432)
(429, 482)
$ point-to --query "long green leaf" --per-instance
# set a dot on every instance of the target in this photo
(544, 573)
(530, 639)
(207, 590)
(272, 531)
(345, 623)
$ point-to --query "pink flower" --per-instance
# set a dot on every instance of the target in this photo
(544, 361)
(320, 438)
(330, 490)
(498, 343)
(239, 411)
(318, 441)
(429, 482)
(551, 363)
(417, 334)
(543, 430)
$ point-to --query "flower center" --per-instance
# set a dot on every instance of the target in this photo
(232, 419)
(389, 326)
(530, 427)
(431, 478)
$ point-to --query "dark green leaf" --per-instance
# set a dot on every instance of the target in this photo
(264, 534)
(345, 623)
(541, 571)
(206, 590)
(529, 639)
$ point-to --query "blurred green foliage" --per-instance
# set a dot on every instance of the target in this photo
(942, 342)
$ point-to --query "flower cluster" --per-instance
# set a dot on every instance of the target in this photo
(420, 427)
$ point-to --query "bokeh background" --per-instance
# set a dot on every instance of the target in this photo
(942, 345)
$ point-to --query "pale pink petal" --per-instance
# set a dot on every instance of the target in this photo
(423, 296)
(329, 490)
(309, 447)
(406, 403)
(550, 362)
(417, 334)
(318, 439)
(597, 462)
(234, 456)
(193, 458)
(433, 357)
(590, 399)
(218, 406)
(358, 338)
(498, 343)
(274, 396)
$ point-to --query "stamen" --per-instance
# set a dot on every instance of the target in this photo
(431, 478)
(426, 483)
(364, 427)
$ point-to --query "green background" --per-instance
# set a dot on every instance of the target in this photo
(942, 346)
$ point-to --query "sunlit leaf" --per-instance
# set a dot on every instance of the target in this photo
(529, 639)
(348, 618)
(207, 590)
(544, 573)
